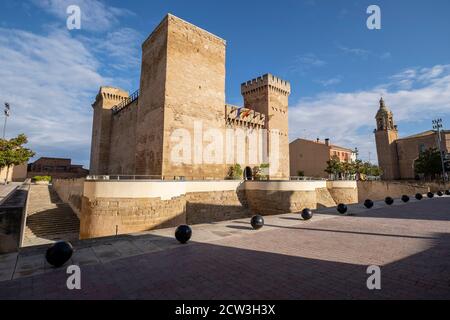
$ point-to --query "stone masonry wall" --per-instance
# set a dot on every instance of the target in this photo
(70, 191)
(205, 207)
(378, 190)
(111, 216)
(270, 202)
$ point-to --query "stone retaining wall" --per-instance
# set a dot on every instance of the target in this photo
(118, 207)
(378, 190)
(112, 216)
(70, 191)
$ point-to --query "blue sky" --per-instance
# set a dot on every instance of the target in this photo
(337, 67)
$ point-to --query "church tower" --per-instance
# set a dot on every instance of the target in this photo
(386, 135)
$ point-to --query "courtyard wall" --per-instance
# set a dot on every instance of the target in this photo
(111, 207)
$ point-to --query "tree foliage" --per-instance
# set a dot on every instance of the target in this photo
(13, 153)
(347, 170)
(428, 163)
(235, 172)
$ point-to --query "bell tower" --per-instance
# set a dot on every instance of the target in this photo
(386, 135)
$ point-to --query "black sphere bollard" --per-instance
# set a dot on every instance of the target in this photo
(419, 196)
(430, 195)
(307, 214)
(447, 192)
(257, 222)
(59, 253)
(389, 201)
(183, 233)
(342, 208)
(368, 203)
(405, 198)
(440, 193)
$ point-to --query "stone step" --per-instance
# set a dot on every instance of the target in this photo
(48, 218)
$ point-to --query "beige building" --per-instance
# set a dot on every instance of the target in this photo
(396, 156)
(15, 173)
(177, 124)
(309, 158)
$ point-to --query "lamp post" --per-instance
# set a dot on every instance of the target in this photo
(356, 152)
(437, 125)
(7, 109)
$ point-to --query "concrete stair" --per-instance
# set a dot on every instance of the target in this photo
(48, 218)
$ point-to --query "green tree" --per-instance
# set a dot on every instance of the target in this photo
(428, 163)
(13, 153)
(334, 167)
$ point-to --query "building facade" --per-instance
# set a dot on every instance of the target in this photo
(309, 158)
(178, 124)
(396, 156)
(56, 168)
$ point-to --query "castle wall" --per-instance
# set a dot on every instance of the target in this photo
(150, 114)
(106, 99)
(123, 141)
(108, 207)
(182, 89)
(269, 95)
(195, 93)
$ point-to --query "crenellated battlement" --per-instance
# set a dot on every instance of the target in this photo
(116, 95)
(269, 80)
(235, 115)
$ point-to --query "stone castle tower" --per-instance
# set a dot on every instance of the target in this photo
(269, 95)
(386, 135)
(182, 89)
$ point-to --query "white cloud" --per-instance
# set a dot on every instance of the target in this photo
(50, 82)
(329, 82)
(348, 118)
(304, 62)
(122, 48)
(310, 59)
(95, 15)
(363, 53)
(355, 51)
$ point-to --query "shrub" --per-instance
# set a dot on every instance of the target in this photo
(235, 172)
(42, 178)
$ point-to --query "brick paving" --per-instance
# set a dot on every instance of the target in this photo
(325, 258)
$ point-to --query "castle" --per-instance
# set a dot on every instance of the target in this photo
(397, 156)
(178, 124)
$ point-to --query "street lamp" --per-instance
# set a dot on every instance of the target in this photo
(437, 125)
(356, 152)
(7, 109)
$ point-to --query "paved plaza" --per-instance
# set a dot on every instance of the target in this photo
(324, 258)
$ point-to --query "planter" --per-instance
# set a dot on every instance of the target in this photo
(42, 182)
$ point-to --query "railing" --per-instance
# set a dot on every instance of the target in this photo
(180, 178)
(302, 178)
(125, 103)
(147, 178)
